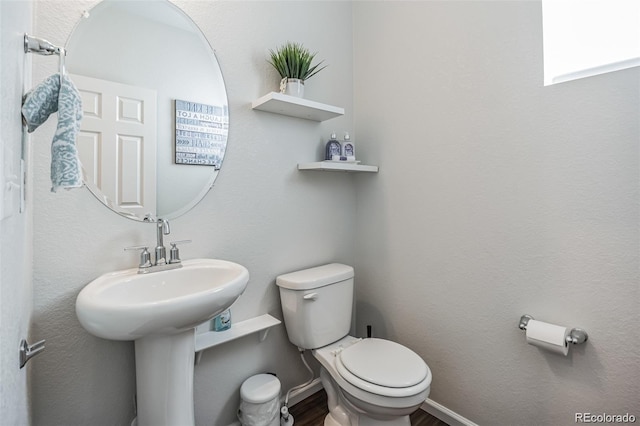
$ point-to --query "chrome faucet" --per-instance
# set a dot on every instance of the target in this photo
(160, 262)
(162, 229)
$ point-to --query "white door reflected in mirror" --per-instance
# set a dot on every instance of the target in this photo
(117, 142)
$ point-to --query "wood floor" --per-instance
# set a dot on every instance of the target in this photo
(312, 411)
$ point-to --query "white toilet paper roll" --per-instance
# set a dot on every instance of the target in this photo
(548, 336)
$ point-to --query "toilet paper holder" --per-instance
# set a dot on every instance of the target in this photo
(577, 335)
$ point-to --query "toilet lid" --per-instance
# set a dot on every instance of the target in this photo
(384, 363)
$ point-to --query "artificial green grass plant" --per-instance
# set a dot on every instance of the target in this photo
(293, 60)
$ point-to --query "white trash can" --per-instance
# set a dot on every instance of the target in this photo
(260, 405)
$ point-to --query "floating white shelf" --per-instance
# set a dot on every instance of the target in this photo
(296, 107)
(332, 166)
(260, 324)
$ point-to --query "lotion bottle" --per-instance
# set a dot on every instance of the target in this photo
(348, 148)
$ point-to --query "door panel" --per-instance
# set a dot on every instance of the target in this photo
(117, 142)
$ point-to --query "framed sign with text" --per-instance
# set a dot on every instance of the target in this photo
(201, 133)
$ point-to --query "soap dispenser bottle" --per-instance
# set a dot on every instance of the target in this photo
(348, 148)
(332, 149)
(223, 321)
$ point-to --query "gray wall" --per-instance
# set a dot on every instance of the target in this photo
(15, 230)
(262, 213)
(496, 197)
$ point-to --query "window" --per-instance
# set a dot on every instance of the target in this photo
(589, 37)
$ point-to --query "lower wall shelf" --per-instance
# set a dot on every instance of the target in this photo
(260, 324)
(332, 166)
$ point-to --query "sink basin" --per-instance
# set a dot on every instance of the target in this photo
(159, 311)
(125, 305)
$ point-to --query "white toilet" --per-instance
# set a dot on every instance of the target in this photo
(369, 382)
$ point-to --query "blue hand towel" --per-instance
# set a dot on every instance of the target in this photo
(48, 97)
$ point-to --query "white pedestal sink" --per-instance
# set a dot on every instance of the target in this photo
(159, 311)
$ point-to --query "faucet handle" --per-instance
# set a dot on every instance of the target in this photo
(173, 243)
(174, 253)
(145, 256)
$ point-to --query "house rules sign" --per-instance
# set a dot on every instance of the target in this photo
(201, 133)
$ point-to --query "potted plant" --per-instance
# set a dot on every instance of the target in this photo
(293, 62)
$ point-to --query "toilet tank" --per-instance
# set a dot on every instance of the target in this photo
(317, 304)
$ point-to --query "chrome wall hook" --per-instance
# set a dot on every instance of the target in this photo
(41, 46)
(28, 351)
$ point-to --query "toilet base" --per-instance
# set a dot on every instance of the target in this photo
(405, 421)
(342, 412)
(330, 421)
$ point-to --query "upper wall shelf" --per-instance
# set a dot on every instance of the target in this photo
(296, 107)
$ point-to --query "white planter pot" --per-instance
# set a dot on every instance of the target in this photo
(295, 87)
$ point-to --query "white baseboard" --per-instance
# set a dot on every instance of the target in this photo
(443, 413)
(300, 394)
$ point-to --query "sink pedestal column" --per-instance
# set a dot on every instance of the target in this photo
(164, 379)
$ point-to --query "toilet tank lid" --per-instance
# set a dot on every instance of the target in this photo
(319, 276)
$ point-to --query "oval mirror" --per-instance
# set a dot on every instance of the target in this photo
(156, 119)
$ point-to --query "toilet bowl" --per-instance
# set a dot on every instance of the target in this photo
(369, 382)
(374, 381)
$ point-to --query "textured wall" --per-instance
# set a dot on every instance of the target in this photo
(261, 213)
(15, 230)
(496, 197)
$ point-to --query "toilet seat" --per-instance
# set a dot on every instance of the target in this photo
(383, 367)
